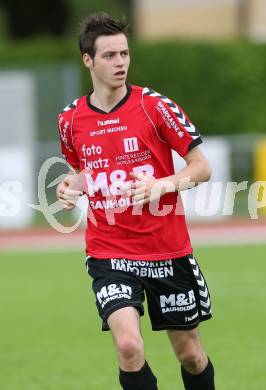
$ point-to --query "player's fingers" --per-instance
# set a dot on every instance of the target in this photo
(61, 189)
(125, 187)
(137, 176)
(66, 205)
(69, 207)
(69, 199)
(73, 193)
(138, 198)
(129, 193)
(133, 186)
(66, 202)
(139, 202)
(139, 190)
(139, 186)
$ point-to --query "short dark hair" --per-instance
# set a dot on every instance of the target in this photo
(96, 25)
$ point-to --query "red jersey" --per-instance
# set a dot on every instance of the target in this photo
(135, 136)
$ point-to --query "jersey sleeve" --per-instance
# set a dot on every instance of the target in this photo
(65, 123)
(172, 124)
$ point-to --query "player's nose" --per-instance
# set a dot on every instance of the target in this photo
(120, 61)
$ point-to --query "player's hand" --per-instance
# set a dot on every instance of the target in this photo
(146, 189)
(69, 191)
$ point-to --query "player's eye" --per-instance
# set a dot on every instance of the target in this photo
(108, 55)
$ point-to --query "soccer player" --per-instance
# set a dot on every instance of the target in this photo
(119, 138)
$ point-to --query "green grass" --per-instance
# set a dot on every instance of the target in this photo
(50, 335)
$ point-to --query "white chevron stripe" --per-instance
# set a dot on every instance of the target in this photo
(67, 108)
(201, 282)
(204, 294)
(174, 109)
(205, 304)
(204, 313)
(182, 119)
(192, 261)
(166, 100)
(190, 128)
(196, 272)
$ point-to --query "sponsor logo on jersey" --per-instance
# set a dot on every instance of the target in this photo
(134, 157)
(109, 130)
(63, 127)
(91, 151)
(131, 144)
(168, 119)
(178, 302)
(108, 122)
(101, 163)
(110, 184)
(111, 204)
(112, 292)
(146, 269)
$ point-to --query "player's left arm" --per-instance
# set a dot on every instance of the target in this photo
(197, 170)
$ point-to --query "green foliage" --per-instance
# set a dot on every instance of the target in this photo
(36, 52)
(81, 8)
(221, 86)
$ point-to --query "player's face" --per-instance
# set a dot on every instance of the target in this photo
(111, 60)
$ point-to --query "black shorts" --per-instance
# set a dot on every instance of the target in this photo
(176, 291)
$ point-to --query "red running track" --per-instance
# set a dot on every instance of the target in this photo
(218, 233)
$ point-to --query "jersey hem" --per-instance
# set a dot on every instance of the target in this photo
(147, 257)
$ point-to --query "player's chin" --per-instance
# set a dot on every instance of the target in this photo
(118, 83)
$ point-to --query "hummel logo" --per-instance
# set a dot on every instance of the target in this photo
(108, 122)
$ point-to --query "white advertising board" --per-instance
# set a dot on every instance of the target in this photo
(207, 200)
(17, 128)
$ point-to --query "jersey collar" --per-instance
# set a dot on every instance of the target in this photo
(118, 105)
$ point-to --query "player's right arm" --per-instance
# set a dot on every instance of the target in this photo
(69, 190)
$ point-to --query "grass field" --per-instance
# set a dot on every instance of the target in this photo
(50, 335)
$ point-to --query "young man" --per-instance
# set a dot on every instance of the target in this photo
(120, 138)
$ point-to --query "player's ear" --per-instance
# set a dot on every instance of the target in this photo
(87, 60)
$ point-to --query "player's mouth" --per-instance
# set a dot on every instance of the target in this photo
(120, 74)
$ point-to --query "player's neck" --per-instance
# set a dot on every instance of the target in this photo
(105, 98)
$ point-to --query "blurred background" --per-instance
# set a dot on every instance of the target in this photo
(210, 57)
